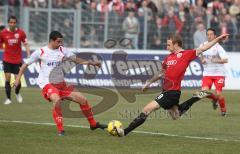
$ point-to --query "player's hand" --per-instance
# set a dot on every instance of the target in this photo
(203, 61)
(223, 37)
(146, 86)
(96, 63)
(215, 60)
(16, 82)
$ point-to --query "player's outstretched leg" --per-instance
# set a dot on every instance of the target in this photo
(87, 111)
(77, 97)
(196, 97)
(136, 123)
(142, 117)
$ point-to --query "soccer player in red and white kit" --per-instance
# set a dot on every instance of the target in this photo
(12, 38)
(174, 67)
(214, 71)
(51, 79)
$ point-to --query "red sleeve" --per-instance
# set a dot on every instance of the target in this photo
(191, 54)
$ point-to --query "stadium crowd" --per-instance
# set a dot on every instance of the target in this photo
(188, 18)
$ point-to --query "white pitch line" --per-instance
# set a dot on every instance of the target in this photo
(138, 132)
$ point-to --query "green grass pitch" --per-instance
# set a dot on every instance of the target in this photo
(27, 128)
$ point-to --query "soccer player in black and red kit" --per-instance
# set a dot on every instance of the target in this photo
(174, 67)
(12, 37)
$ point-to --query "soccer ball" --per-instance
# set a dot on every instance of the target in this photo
(115, 128)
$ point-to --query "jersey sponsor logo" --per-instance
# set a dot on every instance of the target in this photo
(55, 63)
(179, 55)
(49, 90)
(12, 41)
(171, 62)
(16, 36)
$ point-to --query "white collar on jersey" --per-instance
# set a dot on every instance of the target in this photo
(13, 31)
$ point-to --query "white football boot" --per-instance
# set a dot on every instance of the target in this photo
(7, 101)
(19, 98)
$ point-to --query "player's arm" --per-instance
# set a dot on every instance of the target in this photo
(27, 49)
(84, 62)
(152, 80)
(219, 60)
(210, 44)
(25, 44)
(33, 58)
(202, 59)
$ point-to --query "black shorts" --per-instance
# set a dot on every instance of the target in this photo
(11, 68)
(168, 99)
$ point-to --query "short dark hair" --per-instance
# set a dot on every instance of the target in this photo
(176, 39)
(54, 35)
(213, 30)
(12, 17)
(2, 27)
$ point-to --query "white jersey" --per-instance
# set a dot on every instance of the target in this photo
(210, 68)
(50, 64)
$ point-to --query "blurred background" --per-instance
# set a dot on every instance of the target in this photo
(88, 23)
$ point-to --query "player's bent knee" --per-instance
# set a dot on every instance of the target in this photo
(150, 107)
(80, 100)
(55, 99)
(174, 112)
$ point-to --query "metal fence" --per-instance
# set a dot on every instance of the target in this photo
(87, 28)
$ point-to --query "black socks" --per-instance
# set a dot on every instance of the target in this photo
(8, 89)
(135, 123)
(187, 105)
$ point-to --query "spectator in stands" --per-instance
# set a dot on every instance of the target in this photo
(119, 6)
(172, 23)
(57, 3)
(145, 9)
(129, 5)
(103, 6)
(199, 36)
(187, 20)
(228, 27)
(67, 32)
(152, 6)
(38, 3)
(131, 28)
(151, 31)
(215, 23)
(114, 22)
(199, 10)
(141, 28)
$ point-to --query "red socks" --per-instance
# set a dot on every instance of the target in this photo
(57, 116)
(87, 111)
(222, 104)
